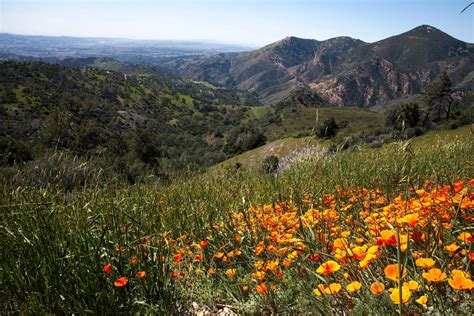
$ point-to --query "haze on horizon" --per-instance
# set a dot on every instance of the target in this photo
(244, 22)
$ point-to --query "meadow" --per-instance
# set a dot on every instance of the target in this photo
(368, 231)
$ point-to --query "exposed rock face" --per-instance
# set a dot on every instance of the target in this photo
(342, 71)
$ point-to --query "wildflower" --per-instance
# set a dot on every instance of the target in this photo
(262, 288)
(377, 288)
(328, 267)
(395, 295)
(259, 275)
(460, 280)
(391, 272)
(121, 282)
(259, 249)
(134, 260)
(141, 274)
(212, 271)
(465, 237)
(452, 247)
(354, 286)
(426, 263)
(411, 285)
(387, 237)
(245, 288)
(107, 268)
(422, 300)
(203, 244)
(333, 288)
(120, 248)
(434, 275)
(230, 272)
(313, 257)
(273, 265)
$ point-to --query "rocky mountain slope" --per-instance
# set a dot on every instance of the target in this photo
(342, 71)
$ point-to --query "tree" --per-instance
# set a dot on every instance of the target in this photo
(328, 129)
(403, 116)
(438, 97)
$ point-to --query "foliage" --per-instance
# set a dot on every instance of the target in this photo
(328, 129)
(68, 253)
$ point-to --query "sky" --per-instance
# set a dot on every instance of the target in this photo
(247, 22)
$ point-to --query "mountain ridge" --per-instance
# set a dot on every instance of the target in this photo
(343, 71)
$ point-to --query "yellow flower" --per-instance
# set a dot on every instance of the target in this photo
(422, 300)
(354, 286)
(328, 267)
(452, 247)
(230, 272)
(460, 281)
(259, 275)
(395, 295)
(411, 285)
(426, 263)
(465, 237)
(434, 275)
(333, 288)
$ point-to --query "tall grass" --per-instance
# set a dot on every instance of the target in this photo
(55, 245)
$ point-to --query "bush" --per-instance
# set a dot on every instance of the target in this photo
(328, 129)
(270, 164)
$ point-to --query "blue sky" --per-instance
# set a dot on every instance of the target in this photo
(247, 22)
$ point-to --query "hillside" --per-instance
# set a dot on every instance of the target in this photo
(134, 120)
(343, 71)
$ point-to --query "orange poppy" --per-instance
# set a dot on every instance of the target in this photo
(107, 268)
(391, 272)
(141, 274)
(230, 272)
(395, 295)
(426, 263)
(377, 288)
(121, 282)
(460, 281)
(328, 267)
(434, 275)
(262, 288)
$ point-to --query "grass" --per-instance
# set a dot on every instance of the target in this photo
(301, 121)
(55, 245)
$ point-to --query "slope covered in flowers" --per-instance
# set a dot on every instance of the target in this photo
(355, 250)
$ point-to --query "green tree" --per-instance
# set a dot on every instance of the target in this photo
(438, 97)
(328, 129)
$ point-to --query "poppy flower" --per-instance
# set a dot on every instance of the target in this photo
(354, 286)
(262, 288)
(328, 267)
(391, 272)
(141, 274)
(107, 268)
(426, 263)
(121, 282)
(134, 260)
(395, 295)
(331, 289)
(411, 285)
(422, 300)
(460, 281)
(377, 288)
(452, 247)
(230, 272)
(434, 275)
(465, 237)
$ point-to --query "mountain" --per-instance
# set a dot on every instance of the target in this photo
(342, 71)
